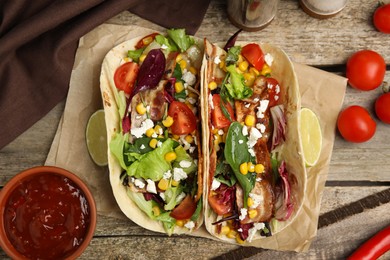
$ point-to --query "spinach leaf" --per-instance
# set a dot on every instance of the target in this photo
(198, 210)
(236, 153)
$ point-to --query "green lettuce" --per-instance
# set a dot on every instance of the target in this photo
(236, 87)
(182, 40)
(171, 197)
(182, 155)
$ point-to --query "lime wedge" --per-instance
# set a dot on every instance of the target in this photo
(310, 131)
(96, 138)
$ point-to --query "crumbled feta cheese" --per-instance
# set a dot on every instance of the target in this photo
(262, 108)
(139, 131)
(247, 105)
(215, 184)
(179, 174)
(256, 198)
(277, 89)
(251, 152)
(142, 147)
(256, 100)
(244, 130)
(183, 141)
(162, 196)
(190, 224)
(276, 98)
(261, 127)
(217, 60)
(189, 78)
(211, 101)
(253, 137)
(164, 47)
(192, 149)
(154, 135)
(268, 59)
(240, 141)
(185, 164)
(151, 187)
(252, 231)
(258, 179)
(243, 213)
(180, 197)
(220, 132)
(167, 175)
(159, 143)
(239, 230)
(139, 183)
(191, 100)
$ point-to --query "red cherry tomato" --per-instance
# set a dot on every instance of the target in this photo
(382, 108)
(382, 18)
(125, 76)
(254, 55)
(355, 124)
(273, 91)
(218, 118)
(366, 70)
(184, 120)
(146, 40)
(185, 209)
(220, 206)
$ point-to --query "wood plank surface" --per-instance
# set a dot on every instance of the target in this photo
(355, 202)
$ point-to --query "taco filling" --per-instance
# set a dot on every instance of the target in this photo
(248, 180)
(155, 137)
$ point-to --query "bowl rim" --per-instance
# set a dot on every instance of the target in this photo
(6, 245)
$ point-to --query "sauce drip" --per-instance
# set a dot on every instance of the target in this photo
(46, 217)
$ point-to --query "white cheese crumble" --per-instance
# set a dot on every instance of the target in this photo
(162, 195)
(164, 47)
(185, 164)
(277, 89)
(139, 131)
(180, 197)
(217, 60)
(142, 147)
(261, 127)
(253, 137)
(244, 130)
(220, 132)
(256, 198)
(211, 101)
(191, 100)
(159, 143)
(189, 78)
(262, 108)
(243, 213)
(192, 149)
(252, 152)
(240, 141)
(247, 105)
(139, 183)
(258, 179)
(190, 224)
(167, 174)
(239, 230)
(268, 59)
(256, 100)
(151, 187)
(179, 174)
(215, 184)
(252, 231)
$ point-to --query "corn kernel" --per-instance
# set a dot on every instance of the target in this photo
(254, 71)
(231, 234)
(150, 132)
(250, 120)
(193, 70)
(251, 167)
(163, 184)
(222, 65)
(189, 139)
(266, 70)
(142, 58)
(168, 121)
(179, 57)
(249, 78)
(179, 87)
(180, 223)
(158, 129)
(156, 211)
(244, 168)
(243, 66)
(250, 202)
(183, 64)
(252, 213)
(225, 230)
(176, 137)
(140, 108)
(193, 95)
(153, 143)
(259, 168)
(174, 183)
(170, 156)
(240, 58)
(239, 240)
(215, 131)
(213, 85)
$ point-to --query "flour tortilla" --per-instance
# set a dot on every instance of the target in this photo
(110, 96)
(291, 151)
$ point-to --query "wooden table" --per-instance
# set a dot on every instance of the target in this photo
(355, 203)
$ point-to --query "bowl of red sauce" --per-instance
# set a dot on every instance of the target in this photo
(46, 213)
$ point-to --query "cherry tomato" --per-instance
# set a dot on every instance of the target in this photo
(218, 118)
(382, 108)
(382, 18)
(125, 76)
(253, 53)
(366, 70)
(273, 91)
(184, 120)
(185, 209)
(219, 206)
(146, 40)
(355, 124)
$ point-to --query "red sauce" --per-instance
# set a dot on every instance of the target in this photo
(46, 217)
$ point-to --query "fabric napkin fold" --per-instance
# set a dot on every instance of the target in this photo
(38, 41)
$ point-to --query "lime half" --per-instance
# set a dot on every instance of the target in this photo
(96, 137)
(310, 131)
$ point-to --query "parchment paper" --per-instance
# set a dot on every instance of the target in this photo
(321, 91)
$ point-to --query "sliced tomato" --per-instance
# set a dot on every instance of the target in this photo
(222, 199)
(185, 209)
(184, 120)
(125, 76)
(146, 40)
(273, 91)
(254, 55)
(218, 117)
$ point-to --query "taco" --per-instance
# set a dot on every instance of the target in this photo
(255, 176)
(150, 90)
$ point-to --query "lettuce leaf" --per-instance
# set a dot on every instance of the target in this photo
(182, 40)
(182, 155)
(236, 87)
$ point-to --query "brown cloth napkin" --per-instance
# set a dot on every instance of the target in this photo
(38, 41)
